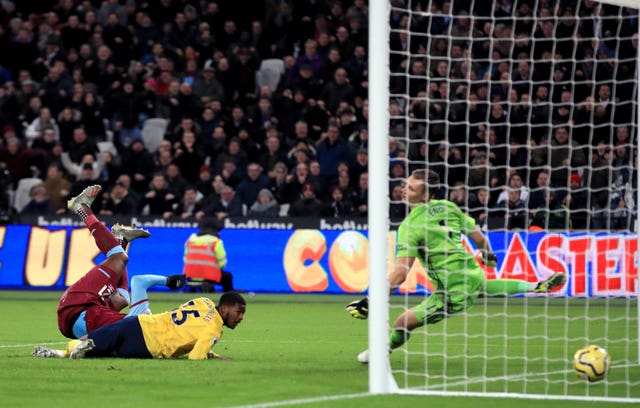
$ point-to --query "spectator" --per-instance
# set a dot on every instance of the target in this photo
(278, 182)
(307, 205)
(515, 181)
(118, 201)
(272, 155)
(126, 105)
(577, 201)
(337, 91)
(543, 182)
(561, 154)
(514, 210)
(311, 58)
(265, 205)
(331, 150)
(236, 155)
(188, 157)
(360, 197)
(57, 187)
(39, 203)
(158, 200)
(139, 165)
(39, 124)
(228, 205)
(207, 87)
(18, 159)
(190, 206)
(295, 182)
(553, 215)
(80, 146)
(459, 195)
(252, 184)
(397, 208)
(479, 209)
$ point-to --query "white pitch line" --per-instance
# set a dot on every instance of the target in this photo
(304, 400)
(476, 380)
(8, 346)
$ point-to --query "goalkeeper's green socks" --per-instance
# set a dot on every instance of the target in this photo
(398, 338)
(497, 287)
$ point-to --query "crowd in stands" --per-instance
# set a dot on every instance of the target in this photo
(525, 111)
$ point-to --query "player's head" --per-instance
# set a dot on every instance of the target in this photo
(208, 226)
(231, 307)
(421, 186)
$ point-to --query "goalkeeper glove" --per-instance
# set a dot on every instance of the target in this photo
(490, 260)
(359, 308)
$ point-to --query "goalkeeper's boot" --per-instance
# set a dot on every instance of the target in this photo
(176, 282)
(86, 197)
(128, 233)
(45, 352)
(80, 349)
(556, 280)
(363, 357)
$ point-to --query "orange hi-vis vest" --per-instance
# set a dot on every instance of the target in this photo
(200, 259)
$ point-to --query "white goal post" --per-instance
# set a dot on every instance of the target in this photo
(511, 361)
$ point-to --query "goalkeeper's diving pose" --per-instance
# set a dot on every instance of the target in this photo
(431, 232)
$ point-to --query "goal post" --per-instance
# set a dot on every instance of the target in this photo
(380, 380)
(426, 82)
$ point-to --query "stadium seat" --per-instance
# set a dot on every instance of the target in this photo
(107, 147)
(21, 197)
(284, 210)
(152, 136)
(159, 123)
(269, 73)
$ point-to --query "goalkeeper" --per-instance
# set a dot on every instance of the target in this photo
(432, 233)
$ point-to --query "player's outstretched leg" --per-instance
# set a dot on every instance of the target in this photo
(81, 205)
(140, 284)
(81, 349)
(127, 233)
(45, 352)
(556, 280)
(77, 204)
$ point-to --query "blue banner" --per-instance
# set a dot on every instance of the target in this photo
(313, 260)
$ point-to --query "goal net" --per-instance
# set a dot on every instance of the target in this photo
(527, 111)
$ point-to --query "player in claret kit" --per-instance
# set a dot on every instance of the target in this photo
(192, 329)
(97, 298)
(432, 233)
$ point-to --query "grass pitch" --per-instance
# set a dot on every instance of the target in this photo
(299, 350)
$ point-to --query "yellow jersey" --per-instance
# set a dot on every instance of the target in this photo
(192, 328)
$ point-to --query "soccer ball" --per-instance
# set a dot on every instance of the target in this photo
(591, 363)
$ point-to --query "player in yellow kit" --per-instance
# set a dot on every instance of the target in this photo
(193, 329)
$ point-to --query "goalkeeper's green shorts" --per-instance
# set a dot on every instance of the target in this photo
(457, 289)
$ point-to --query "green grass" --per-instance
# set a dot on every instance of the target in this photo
(302, 348)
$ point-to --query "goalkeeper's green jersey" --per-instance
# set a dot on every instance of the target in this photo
(432, 233)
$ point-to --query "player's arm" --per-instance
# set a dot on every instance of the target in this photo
(201, 349)
(482, 243)
(360, 308)
(212, 355)
(221, 254)
(400, 272)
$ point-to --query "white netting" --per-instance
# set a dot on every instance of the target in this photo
(527, 111)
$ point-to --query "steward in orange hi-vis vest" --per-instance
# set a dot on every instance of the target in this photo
(204, 257)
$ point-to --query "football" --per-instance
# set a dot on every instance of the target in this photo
(591, 363)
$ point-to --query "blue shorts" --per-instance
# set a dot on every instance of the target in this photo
(123, 339)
